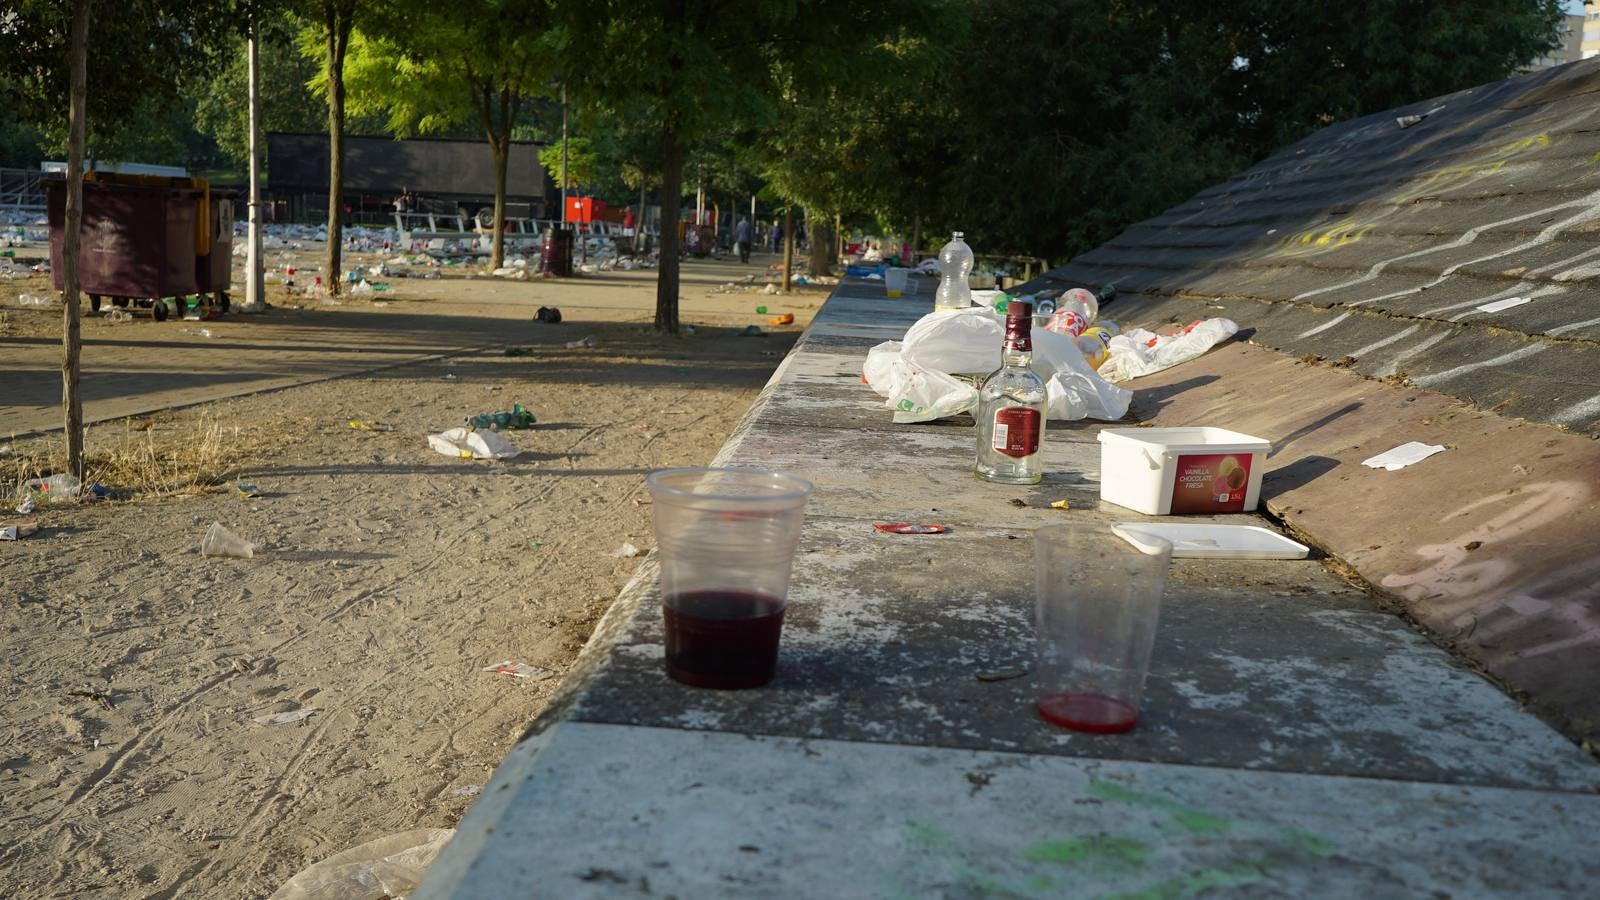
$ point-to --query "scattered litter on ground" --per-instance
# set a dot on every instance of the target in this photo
(448, 376)
(1404, 455)
(96, 491)
(910, 528)
(548, 315)
(581, 344)
(219, 541)
(27, 505)
(288, 718)
(785, 319)
(465, 444)
(247, 489)
(467, 790)
(391, 866)
(501, 421)
(688, 329)
(116, 316)
(370, 426)
(1061, 504)
(61, 488)
(34, 300)
(16, 531)
(1001, 675)
(1138, 352)
(626, 551)
(761, 310)
(518, 670)
(752, 331)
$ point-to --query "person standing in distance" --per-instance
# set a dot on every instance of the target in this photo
(741, 239)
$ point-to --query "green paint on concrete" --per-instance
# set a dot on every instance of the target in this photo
(1103, 848)
(1191, 820)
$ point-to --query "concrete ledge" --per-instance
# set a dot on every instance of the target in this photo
(1295, 732)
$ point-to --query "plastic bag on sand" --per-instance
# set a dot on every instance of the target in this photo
(390, 866)
(472, 444)
(1139, 352)
(967, 341)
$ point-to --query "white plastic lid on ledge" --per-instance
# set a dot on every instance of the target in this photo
(1208, 541)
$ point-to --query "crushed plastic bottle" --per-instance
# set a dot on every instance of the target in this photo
(34, 300)
(61, 488)
(955, 265)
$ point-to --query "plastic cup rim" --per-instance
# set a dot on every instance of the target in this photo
(655, 482)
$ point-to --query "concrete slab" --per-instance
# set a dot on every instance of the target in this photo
(1294, 731)
(1273, 665)
(608, 811)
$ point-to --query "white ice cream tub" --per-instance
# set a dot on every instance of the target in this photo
(1174, 471)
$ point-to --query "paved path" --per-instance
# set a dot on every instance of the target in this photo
(143, 366)
(1298, 740)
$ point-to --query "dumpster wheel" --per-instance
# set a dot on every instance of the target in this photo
(158, 308)
(94, 302)
(225, 300)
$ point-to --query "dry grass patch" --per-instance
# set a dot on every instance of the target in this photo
(144, 458)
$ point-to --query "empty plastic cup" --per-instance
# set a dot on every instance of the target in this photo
(1098, 599)
(726, 540)
(894, 281)
(219, 541)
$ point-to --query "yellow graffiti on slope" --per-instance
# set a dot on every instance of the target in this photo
(1330, 236)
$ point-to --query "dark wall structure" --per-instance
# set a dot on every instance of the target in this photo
(444, 171)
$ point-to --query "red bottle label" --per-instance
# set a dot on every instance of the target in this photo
(1016, 431)
(1211, 483)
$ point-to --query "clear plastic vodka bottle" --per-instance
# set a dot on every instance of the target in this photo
(1011, 408)
(955, 264)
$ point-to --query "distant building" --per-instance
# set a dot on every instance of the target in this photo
(444, 172)
(1575, 32)
(1590, 43)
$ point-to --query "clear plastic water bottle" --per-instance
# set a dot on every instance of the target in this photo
(955, 264)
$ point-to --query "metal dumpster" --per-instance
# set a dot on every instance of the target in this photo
(146, 239)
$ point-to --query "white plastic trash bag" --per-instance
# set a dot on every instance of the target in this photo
(390, 866)
(1139, 352)
(468, 444)
(879, 366)
(915, 375)
(922, 395)
(1072, 388)
(959, 341)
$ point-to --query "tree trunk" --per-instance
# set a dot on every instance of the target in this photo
(671, 199)
(788, 249)
(338, 23)
(497, 254)
(77, 112)
(822, 242)
(638, 224)
(501, 145)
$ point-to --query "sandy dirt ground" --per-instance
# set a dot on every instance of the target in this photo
(387, 577)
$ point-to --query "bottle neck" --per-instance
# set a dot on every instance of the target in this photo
(1018, 347)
